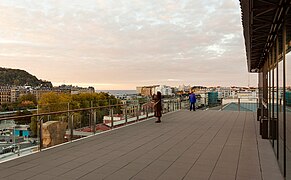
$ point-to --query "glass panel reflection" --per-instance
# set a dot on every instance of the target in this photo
(288, 116)
(280, 116)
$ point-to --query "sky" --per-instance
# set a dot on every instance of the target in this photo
(111, 44)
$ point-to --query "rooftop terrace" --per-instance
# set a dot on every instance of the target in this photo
(186, 145)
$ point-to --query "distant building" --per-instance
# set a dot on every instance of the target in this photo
(246, 94)
(38, 93)
(126, 96)
(132, 105)
(138, 90)
(5, 94)
(11, 94)
(147, 90)
(184, 88)
(22, 130)
(14, 94)
(165, 90)
(225, 92)
(69, 89)
(150, 90)
(198, 89)
(24, 90)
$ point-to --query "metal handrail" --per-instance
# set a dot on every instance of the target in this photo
(58, 112)
(136, 113)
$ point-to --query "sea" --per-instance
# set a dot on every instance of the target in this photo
(118, 92)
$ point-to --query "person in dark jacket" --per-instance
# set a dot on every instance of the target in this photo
(192, 99)
(157, 100)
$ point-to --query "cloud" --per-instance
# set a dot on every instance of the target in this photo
(128, 42)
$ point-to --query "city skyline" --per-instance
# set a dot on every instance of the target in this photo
(121, 45)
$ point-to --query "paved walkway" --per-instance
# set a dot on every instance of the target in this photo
(186, 145)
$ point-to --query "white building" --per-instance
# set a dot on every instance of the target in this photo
(165, 90)
(247, 94)
(224, 92)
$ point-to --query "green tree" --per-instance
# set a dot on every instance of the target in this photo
(27, 97)
(53, 102)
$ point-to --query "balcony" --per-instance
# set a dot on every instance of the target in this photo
(186, 145)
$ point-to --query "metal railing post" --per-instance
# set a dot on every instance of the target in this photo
(68, 112)
(40, 134)
(221, 104)
(71, 127)
(18, 147)
(94, 121)
(111, 112)
(173, 105)
(69, 119)
(238, 104)
(137, 112)
(147, 111)
(13, 135)
(125, 113)
(91, 116)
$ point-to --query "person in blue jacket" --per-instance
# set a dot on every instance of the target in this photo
(192, 99)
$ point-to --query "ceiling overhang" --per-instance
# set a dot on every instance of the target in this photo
(262, 21)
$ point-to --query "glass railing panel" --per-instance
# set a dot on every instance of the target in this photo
(54, 124)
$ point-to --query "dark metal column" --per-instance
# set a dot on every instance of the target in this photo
(273, 126)
(284, 91)
(269, 96)
(277, 60)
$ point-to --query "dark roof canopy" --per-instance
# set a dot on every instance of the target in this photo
(262, 22)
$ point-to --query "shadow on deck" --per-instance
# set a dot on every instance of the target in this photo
(186, 145)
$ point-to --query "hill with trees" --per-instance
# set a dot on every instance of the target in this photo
(17, 77)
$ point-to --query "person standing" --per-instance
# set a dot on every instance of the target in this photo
(157, 100)
(192, 99)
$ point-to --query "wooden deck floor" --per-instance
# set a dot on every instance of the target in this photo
(186, 145)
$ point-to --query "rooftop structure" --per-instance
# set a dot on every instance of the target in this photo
(267, 34)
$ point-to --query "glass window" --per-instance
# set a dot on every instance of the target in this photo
(270, 103)
(275, 109)
(280, 116)
(288, 116)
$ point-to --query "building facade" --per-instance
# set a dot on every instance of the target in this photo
(165, 90)
(5, 94)
(147, 90)
(267, 34)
